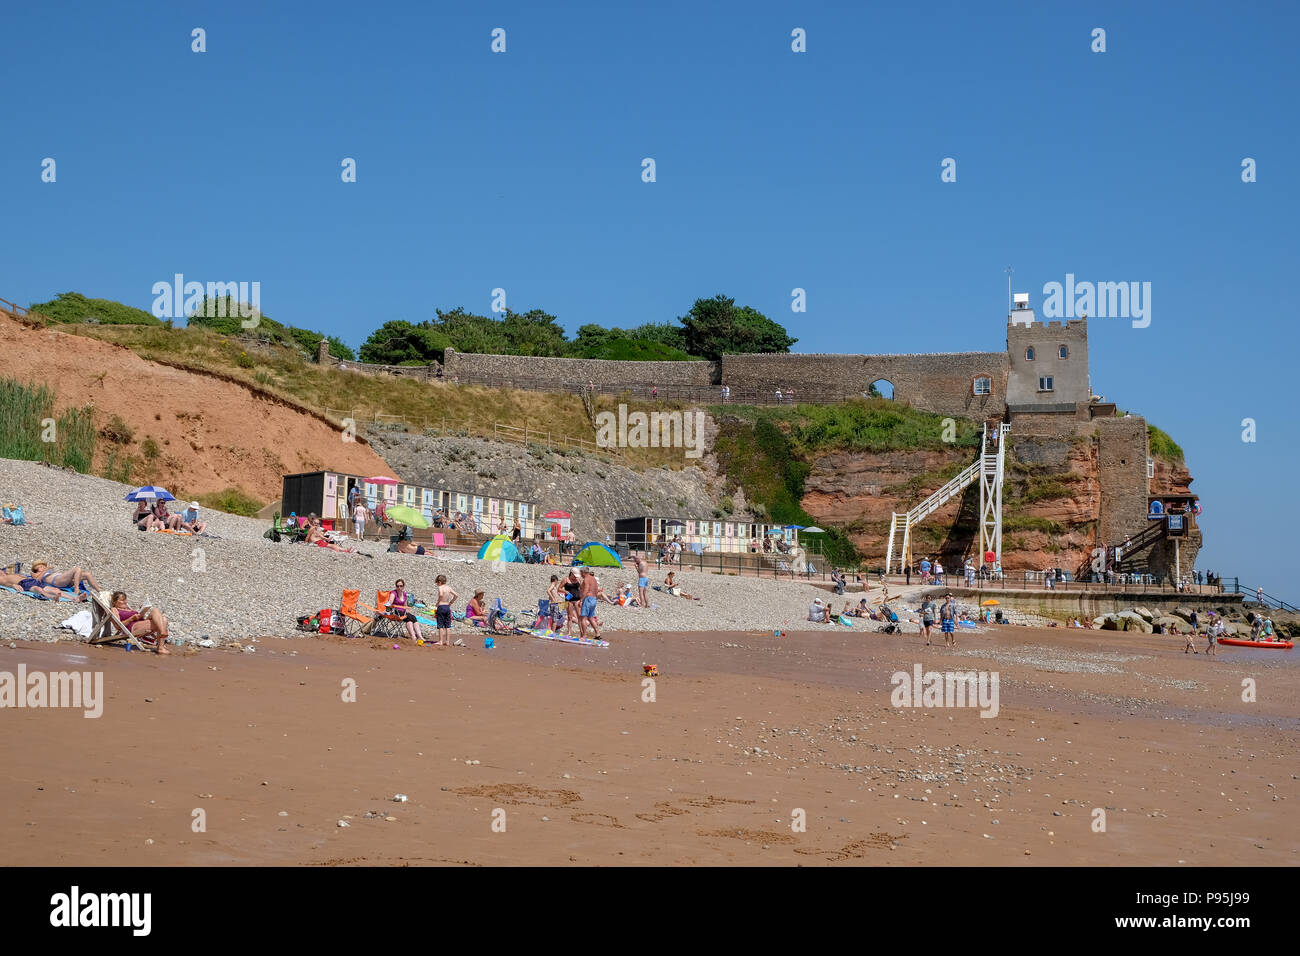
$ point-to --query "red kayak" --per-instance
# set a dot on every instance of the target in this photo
(1236, 642)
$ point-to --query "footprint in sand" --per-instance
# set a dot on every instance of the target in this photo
(598, 820)
(521, 794)
(753, 836)
(855, 850)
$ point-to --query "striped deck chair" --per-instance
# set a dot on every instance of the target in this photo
(106, 628)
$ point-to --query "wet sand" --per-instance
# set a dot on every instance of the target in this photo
(556, 742)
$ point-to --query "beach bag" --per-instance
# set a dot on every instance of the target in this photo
(272, 534)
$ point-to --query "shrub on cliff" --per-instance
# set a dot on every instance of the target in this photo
(75, 307)
(1162, 446)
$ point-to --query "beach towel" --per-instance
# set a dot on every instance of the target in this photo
(547, 634)
(80, 622)
(14, 515)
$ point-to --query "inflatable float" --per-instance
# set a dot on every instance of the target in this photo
(1236, 642)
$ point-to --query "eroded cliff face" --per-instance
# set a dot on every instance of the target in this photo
(1053, 500)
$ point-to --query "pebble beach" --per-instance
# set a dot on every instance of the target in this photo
(233, 584)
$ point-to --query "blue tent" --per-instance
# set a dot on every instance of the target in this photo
(500, 548)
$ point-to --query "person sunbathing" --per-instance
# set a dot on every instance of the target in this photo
(169, 521)
(317, 537)
(190, 520)
(21, 582)
(47, 576)
(144, 518)
(672, 587)
(475, 611)
(410, 547)
(151, 624)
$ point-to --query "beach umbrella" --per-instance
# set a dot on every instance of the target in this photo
(793, 527)
(500, 548)
(596, 555)
(407, 516)
(814, 530)
(151, 493)
(989, 602)
(553, 515)
(775, 531)
(382, 480)
(674, 523)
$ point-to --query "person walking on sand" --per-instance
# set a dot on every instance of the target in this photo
(589, 593)
(446, 598)
(948, 621)
(927, 619)
(359, 519)
(642, 577)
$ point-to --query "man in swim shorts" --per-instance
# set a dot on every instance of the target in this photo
(588, 593)
(642, 577)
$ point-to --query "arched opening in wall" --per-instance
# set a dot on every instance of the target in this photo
(880, 388)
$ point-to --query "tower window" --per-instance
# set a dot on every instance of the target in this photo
(1151, 467)
(983, 385)
(1064, 351)
(1029, 354)
(1045, 383)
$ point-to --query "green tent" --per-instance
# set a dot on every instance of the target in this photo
(596, 555)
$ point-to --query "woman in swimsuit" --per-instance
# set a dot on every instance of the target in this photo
(152, 625)
(21, 582)
(144, 519)
(398, 607)
(475, 612)
(63, 579)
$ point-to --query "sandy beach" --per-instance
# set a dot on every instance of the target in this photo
(556, 745)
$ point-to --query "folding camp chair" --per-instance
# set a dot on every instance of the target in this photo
(355, 623)
(106, 627)
(384, 624)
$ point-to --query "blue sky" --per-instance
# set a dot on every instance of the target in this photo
(775, 170)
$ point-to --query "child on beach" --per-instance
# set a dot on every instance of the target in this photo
(1191, 634)
(446, 598)
(948, 621)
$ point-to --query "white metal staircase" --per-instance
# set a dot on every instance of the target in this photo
(988, 467)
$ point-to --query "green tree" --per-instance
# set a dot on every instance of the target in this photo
(717, 326)
(398, 342)
(534, 333)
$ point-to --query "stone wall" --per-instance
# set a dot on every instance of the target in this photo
(1122, 475)
(940, 382)
(467, 368)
